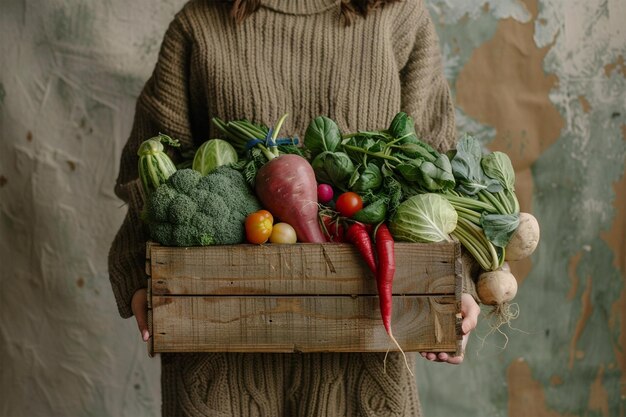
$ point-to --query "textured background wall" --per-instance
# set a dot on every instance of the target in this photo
(544, 81)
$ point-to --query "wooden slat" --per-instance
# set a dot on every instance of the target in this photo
(301, 324)
(305, 269)
(290, 298)
(150, 343)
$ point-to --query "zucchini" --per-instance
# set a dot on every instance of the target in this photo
(155, 167)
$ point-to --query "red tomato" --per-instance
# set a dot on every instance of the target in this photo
(259, 226)
(348, 204)
(283, 233)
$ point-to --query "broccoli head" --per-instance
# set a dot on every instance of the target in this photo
(191, 210)
(184, 181)
(158, 206)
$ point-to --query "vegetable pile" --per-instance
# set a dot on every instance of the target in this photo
(367, 188)
(391, 177)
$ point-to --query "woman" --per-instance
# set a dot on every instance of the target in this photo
(358, 62)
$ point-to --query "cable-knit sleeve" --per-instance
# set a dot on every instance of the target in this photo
(425, 91)
(162, 107)
(426, 97)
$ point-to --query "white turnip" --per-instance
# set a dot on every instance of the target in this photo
(287, 187)
(524, 240)
(496, 287)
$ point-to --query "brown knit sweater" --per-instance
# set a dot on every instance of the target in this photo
(293, 56)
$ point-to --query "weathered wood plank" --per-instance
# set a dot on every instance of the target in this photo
(305, 269)
(150, 343)
(301, 324)
(290, 298)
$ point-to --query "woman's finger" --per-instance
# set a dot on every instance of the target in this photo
(139, 305)
(470, 311)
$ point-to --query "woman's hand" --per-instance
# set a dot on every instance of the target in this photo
(139, 305)
(469, 311)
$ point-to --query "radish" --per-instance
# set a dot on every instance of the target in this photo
(287, 187)
(524, 240)
(324, 193)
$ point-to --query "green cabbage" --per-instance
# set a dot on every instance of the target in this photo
(424, 218)
(212, 154)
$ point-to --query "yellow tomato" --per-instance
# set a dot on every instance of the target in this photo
(283, 233)
(259, 226)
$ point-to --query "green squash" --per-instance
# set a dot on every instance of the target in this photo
(155, 167)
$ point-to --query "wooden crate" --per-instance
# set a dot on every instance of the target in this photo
(300, 298)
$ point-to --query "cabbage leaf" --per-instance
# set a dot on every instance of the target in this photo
(424, 218)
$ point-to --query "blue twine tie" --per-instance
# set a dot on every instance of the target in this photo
(269, 142)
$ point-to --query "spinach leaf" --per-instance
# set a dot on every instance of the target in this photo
(431, 176)
(410, 170)
(498, 165)
(402, 126)
(437, 176)
(357, 144)
(372, 213)
(419, 150)
(499, 227)
(370, 179)
(334, 168)
(467, 169)
(319, 168)
(322, 135)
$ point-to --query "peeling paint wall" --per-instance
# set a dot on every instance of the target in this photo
(543, 80)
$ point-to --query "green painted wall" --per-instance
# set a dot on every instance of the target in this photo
(543, 80)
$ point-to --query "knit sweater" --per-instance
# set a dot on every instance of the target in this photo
(296, 57)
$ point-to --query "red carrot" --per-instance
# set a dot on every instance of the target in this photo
(384, 280)
(386, 271)
(358, 236)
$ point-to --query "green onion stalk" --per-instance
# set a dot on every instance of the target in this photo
(470, 233)
(504, 201)
(244, 135)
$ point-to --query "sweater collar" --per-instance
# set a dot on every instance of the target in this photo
(300, 7)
